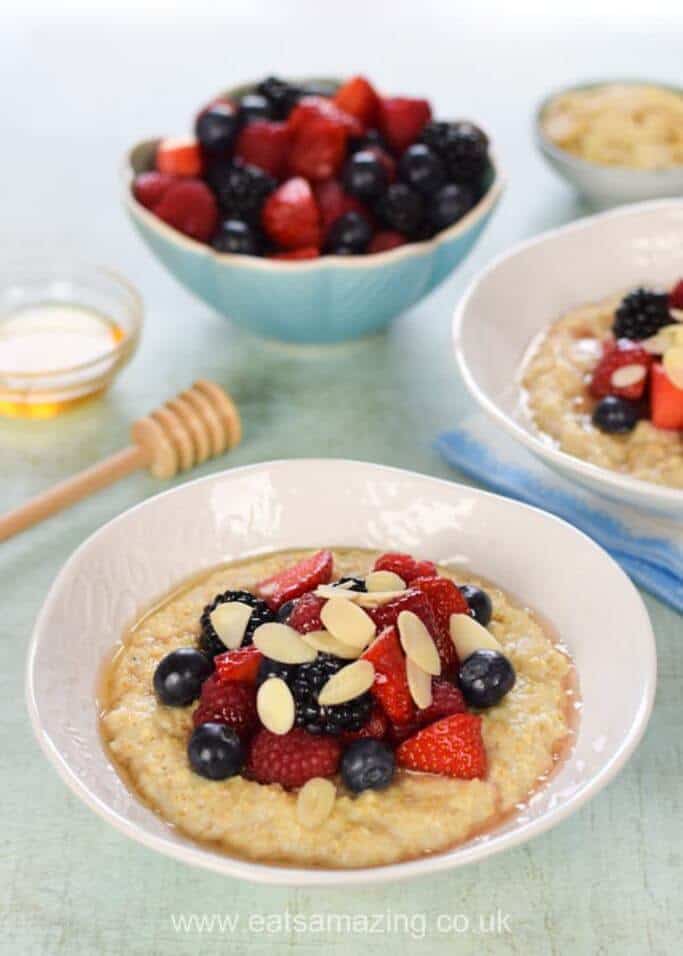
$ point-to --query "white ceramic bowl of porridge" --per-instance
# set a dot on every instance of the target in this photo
(523, 291)
(136, 558)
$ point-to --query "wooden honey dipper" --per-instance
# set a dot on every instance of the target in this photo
(196, 425)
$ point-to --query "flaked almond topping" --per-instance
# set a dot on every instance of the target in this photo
(283, 644)
(324, 642)
(469, 636)
(676, 314)
(275, 706)
(673, 365)
(315, 802)
(347, 622)
(230, 621)
(376, 598)
(347, 684)
(628, 375)
(329, 591)
(417, 642)
(419, 684)
(665, 338)
(384, 581)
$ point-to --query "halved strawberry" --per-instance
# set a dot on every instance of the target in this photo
(452, 747)
(241, 664)
(666, 400)
(179, 156)
(445, 598)
(446, 700)
(310, 107)
(617, 357)
(358, 98)
(290, 216)
(376, 728)
(405, 566)
(333, 202)
(386, 615)
(318, 149)
(189, 206)
(390, 688)
(305, 615)
(676, 296)
(385, 240)
(296, 580)
(264, 144)
(307, 252)
(149, 188)
(401, 120)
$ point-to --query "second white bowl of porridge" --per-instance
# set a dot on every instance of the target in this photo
(554, 297)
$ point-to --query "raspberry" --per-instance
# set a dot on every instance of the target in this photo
(292, 759)
(149, 188)
(190, 207)
(405, 566)
(452, 747)
(232, 704)
(375, 728)
(305, 615)
(619, 355)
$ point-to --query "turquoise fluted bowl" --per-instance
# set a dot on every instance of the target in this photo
(331, 299)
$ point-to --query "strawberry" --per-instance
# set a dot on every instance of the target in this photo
(666, 400)
(241, 664)
(401, 120)
(190, 207)
(452, 747)
(264, 144)
(405, 566)
(446, 700)
(375, 728)
(390, 689)
(312, 107)
(319, 132)
(386, 615)
(617, 355)
(307, 252)
(233, 704)
(358, 98)
(445, 598)
(305, 615)
(149, 188)
(293, 758)
(179, 156)
(290, 216)
(294, 581)
(333, 202)
(676, 296)
(385, 240)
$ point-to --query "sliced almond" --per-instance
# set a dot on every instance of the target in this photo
(347, 622)
(417, 642)
(347, 684)
(275, 706)
(628, 375)
(376, 598)
(315, 802)
(469, 636)
(676, 314)
(384, 581)
(230, 621)
(419, 684)
(673, 365)
(668, 336)
(283, 644)
(329, 591)
(326, 644)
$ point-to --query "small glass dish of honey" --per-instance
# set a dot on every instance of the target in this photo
(66, 330)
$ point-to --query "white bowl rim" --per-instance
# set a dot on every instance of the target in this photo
(658, 494)
(410, 250)
(196, 855)
(569, 159)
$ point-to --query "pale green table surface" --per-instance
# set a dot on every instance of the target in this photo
(605, 881)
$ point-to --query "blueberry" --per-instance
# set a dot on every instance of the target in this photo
(449, 204)
(479, 603)
(364, 175)
(215, 751)
(179, 676)
(422, 169)
(371, 137)
(254, 106)
(240, 189)
(401, 208)
(236, 236)
(462, 146)
(350, 232)
(367, 765)
(615, 415)
(486, 676)
(215, 129)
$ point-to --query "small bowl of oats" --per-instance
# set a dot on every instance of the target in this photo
(615, 142)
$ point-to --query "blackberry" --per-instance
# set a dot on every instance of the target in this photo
(281, 95)
(240, 189)
(210, 642)
(269, 668)
(462, 146)
(253, 107)
(357, 585)
(307, 684)
(401, 208)
(449, 205)
(641, 313)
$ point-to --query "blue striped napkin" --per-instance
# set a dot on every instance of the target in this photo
(649, 548)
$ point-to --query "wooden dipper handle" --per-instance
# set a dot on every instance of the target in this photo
(198, 424)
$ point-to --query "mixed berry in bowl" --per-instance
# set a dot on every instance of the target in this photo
(296, 171)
